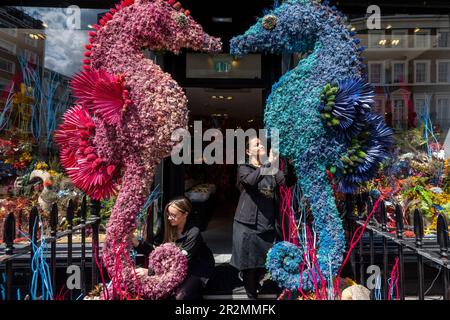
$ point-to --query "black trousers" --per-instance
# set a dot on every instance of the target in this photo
(251, 278)
(190, 289)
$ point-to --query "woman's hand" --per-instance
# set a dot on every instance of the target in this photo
(141, 272)
(134, 240)
(272, 159)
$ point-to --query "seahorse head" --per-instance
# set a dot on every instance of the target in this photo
(149, 24)
(292, 27)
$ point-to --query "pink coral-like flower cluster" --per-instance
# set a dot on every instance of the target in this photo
(169, 266)
(142, 137)
(89, 172)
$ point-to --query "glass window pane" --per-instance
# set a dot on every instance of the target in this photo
(443, 39)
(444, 71)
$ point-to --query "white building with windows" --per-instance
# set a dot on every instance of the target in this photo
(20, 34)
(408, 61)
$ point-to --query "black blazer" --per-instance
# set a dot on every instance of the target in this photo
(200, 258)
(251, 199)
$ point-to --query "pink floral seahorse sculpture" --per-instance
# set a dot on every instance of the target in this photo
(119, 131)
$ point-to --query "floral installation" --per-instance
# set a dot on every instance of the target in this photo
(283, 261)
(127, 109)
(416, 178)
(322, 111)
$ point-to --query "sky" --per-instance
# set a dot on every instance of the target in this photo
(67, 34)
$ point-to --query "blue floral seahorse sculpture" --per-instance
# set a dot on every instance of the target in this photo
(322, 109)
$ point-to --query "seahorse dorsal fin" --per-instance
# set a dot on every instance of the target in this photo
(102, 93)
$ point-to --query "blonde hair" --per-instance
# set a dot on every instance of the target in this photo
(183, 204)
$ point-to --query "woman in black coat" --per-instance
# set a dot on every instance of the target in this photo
(254, 230)
(188, 238)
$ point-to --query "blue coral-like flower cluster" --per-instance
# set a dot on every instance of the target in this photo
(283, 261)
(333, 56)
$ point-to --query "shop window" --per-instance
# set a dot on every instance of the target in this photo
(421, 71)
(7, 66)
(7, 46)
(399, 74)
(422, 39)
(376, 72)
(443, 71)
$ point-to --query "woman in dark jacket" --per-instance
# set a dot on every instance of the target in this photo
(254, 222)
(188, 237)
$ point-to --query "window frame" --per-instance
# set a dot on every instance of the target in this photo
(437, 38)
(13, 66)
(371, 33)
(428, 43)
(421, 96)
(437, 71)
(428, 75)
(405, 31)
(437, 97)
(13, 51)
(383, 71)
(383, 103)
(405, 71)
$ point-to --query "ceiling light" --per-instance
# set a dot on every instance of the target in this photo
(229, 98)
(417, 30)
(214, 97)
(222, 19)
(389, 27)
(352, 29)
(90, 26)
(251, 120)
(220, 97)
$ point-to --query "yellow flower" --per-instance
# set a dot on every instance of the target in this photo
(41, 166)
(53, 173)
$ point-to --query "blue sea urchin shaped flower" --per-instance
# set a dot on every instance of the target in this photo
(368, 151)
(345, 105)
(283, 262)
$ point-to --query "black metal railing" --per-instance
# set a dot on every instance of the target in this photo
(14, 252)
(433, 254)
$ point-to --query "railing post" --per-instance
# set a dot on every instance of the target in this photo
(399, 225)
(33, 227)
(371, 238)
(350, 217)
(384, 228)
(360, 247)
(418, 231)
(82, 215)
(95, 207)
(442, 237)
(69, 218)
(53, 230)
(9, 234)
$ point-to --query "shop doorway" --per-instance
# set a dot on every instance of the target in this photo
(223, 93)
